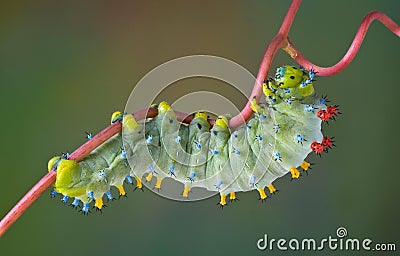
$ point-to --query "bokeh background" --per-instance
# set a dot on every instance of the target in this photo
(66, 66)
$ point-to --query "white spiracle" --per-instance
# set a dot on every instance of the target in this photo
(341, 232)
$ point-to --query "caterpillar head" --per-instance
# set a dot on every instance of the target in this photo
(222, 122)
(68, 174)
(288, 77)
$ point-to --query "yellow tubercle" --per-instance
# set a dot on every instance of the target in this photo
(117, 115)
(129, 122)
(222, 201)
(163, 107)
(232, 196)
(99, 203)
(222, 122)
(271, 189)
(149, 177)
(201, 114)
(305, 165)
(121, 190)
(158, 183)
(53, 163)
(185, 191)
(254, 106)
(139, 183)
(268, 89)
(263, 196)
(295, 173)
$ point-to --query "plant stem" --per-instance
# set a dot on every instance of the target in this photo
(279, 41)
(354, 47)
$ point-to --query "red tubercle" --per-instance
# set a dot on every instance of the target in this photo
(333, 110)
(323, 115)
(317, 147)
(327, 143)
(329, 113)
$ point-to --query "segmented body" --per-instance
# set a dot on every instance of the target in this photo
(274, 142)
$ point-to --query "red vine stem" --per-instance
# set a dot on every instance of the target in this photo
(280, 41)
(354, 47)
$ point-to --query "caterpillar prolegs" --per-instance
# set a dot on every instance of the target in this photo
(274, 142)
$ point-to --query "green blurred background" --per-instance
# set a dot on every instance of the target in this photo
(66, 66)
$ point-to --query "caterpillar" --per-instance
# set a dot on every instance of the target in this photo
(275, 141)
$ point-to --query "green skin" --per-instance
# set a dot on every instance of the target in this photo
(255, 166)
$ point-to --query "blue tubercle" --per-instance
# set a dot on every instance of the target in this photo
(287, 90)
(237, 152)
(198, 145)
(89, 135)
(277, 156)
(123, 153)
(75, 203)
(218, 186)
(178, 139)
(102, 175)
(323, 100)
(290, 100)
(262, 117)
(85, 208)
(149, 139)
(259, 138)
(172, 170)
(65, 199)
(214, 152)
(191, 176)
(235, 134)
(151, 168)
(299, 138)
(310, 108)
(277, 127)
(252, 180)
(312, 74)
(129, 179)
(90, 195)
(53, 193)
(109, 195)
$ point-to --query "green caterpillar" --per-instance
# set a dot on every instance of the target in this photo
(274, 142)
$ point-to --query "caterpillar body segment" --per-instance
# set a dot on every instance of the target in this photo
(274, 142)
